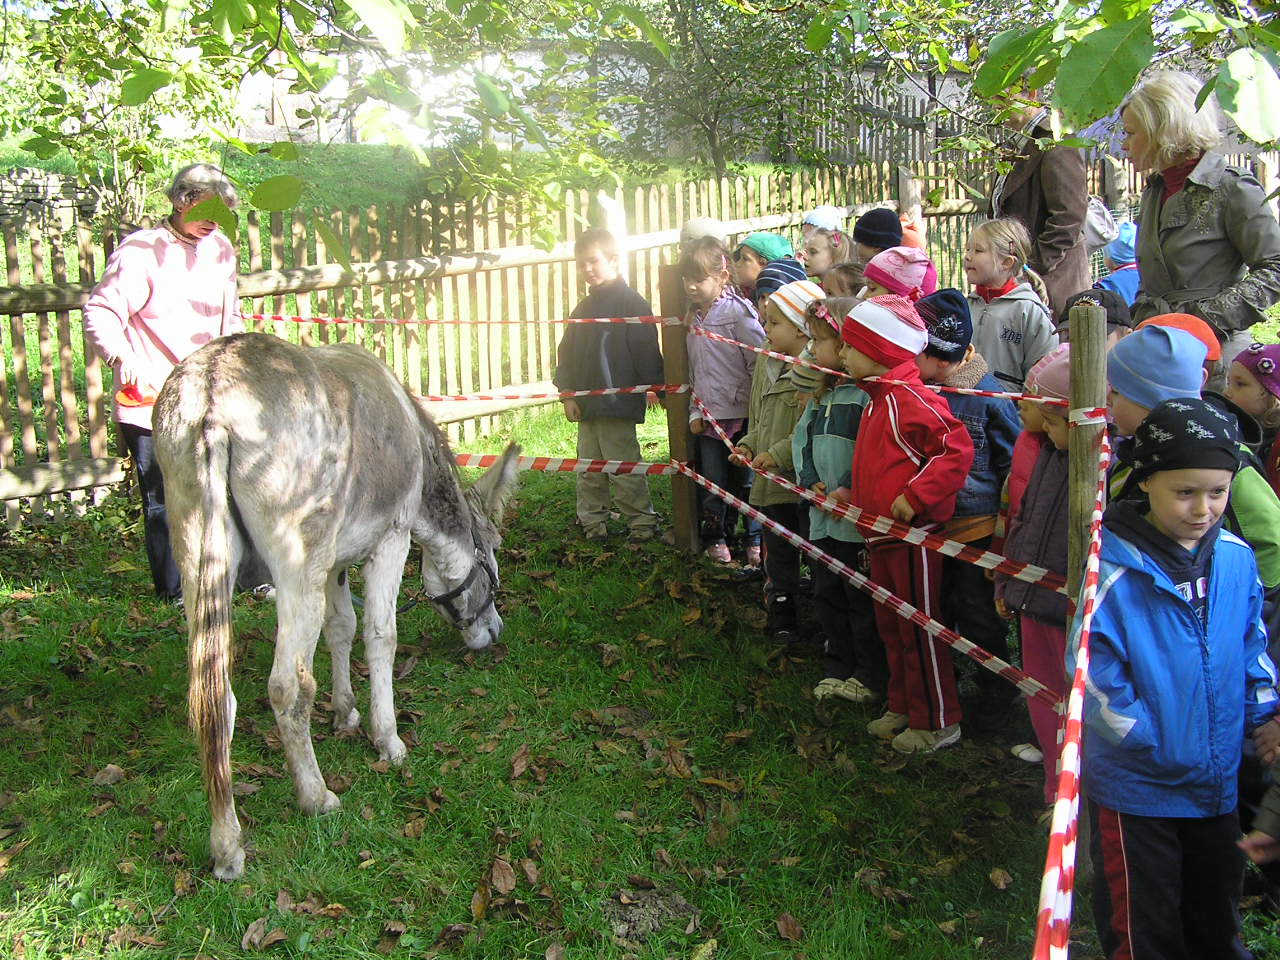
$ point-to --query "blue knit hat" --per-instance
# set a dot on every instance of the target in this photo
(946, 314)
(1155, 364)
(777, 274)
(1124, 248)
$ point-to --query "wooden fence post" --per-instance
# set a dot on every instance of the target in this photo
(675, 367)
(1088, 391)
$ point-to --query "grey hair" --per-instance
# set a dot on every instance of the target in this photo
(1164, 106)
(198, 181)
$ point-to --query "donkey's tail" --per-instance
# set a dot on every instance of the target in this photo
(209, 693)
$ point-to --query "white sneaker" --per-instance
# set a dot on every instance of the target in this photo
(887, 726)
(853, 690)
(926, 741)
(1027, 752)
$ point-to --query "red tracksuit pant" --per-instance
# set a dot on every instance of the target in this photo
(922, 678)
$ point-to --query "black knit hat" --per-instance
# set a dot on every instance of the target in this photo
(946, 315)
(1183, 434)
(1117, 310)
(879, 228)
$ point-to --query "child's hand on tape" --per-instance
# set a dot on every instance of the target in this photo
(697, 427)
(741, 455)
(764, 461)
(572, 410)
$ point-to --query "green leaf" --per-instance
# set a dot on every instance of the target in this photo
(333, 244)
(532, 128)
(1202, 21)
(278, 193)
(386, 20)
(496, 102)
(217, 211)
(818, 37)
(284, 150)
(1009, 56)
(138, 88)
(1100, 69)
(42, 147)
(1249, 90)
(642, 23)
(233, 141)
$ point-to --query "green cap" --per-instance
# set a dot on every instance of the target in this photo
(771, 246)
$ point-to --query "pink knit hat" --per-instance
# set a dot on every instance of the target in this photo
(1051, 374)
(1263, 361)
(886, 329)
(905, 271)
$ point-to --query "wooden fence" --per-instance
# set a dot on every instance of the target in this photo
(407, 264)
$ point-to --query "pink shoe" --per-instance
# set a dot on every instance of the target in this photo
(753, 556)
(719, 552)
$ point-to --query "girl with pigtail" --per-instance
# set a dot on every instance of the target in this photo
(1012, 326)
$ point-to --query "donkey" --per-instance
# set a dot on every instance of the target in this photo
(318, 459)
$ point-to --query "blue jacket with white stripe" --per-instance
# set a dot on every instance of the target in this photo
(1168, 700)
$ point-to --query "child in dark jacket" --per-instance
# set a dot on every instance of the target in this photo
(910, 461)
(596, 355)
(1038, 534)
(1178, 674)
(854, 666)
(968, 598)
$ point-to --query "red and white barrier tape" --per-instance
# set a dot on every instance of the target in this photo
(887, 526)
(567, 464)
(601, 392)
(937, 387)
(1053, 919)
(341, 321)
(1029, 685)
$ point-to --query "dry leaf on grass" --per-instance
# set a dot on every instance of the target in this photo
(392, 930)
(949, 927)
(555, 951)
(530, 870)
(705, 951)
(1000, 878)
(183, 884)
(100, 809)
(520, 762)
(452, 935)
(789, 927)
(258, 937)
(243, 788)
(502, 876)
(677, 763)
(480, 902)
(108, 775)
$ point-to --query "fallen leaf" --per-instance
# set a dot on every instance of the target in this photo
(380, 766)
(392, 930)
(1000, 878)
(530, 870)
(705, 951)
(520, 762)
(100, 809)
(502, 876)
(738, 736)
(183, 884)
(415, 827)
(555, 951)
(366, 812)
(480, 902)
(284, 901)
(677, 763)
(733, 786)
(452, 935)
(243, 788)
(949, 927)
(691, 615)
(108, 775)
(609, 654)
(258, 937)
(789, 927)
(127, 867)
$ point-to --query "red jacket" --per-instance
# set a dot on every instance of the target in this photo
(908, 442)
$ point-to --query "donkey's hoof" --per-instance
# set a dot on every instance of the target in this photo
(232, 868)
(393, 751)
(325, 802)
(349, 722)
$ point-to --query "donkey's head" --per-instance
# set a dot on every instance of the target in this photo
(470, 604)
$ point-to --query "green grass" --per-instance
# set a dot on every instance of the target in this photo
(618, 670)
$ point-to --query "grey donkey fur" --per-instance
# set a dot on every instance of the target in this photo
(320, 459)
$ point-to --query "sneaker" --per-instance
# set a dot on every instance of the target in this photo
(753, 555)
(853, 690)
(642, 534)
(719, 552)
(786, 635)
(1027, 752)
(264, 591)
(926, 741)
(596, 534)
(888, 726)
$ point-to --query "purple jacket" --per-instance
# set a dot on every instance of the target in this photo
(720, 373)
(1038, 534)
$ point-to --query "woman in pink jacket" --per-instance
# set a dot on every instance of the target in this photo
(166, 292)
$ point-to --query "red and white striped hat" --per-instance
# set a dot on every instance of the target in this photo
(886, 329)
(793, 299)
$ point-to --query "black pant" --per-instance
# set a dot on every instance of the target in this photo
(164, 571)
(969, 608)
(1167, 888)
(853, 647)
(781, 561)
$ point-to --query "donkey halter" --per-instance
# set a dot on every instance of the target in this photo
(446, 600)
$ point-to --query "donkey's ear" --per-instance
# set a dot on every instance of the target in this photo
(496, 484)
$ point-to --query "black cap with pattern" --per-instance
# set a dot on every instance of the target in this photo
(1183, 434)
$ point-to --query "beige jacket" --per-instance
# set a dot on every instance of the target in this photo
(774, 413)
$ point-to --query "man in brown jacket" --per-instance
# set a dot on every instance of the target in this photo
(1046, 190)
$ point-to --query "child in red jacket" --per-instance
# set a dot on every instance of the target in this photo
(911, 459)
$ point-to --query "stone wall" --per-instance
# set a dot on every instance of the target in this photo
(36, 196)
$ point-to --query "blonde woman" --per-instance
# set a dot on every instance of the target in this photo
(1208, 244)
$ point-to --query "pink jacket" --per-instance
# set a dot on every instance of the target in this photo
(161, 298)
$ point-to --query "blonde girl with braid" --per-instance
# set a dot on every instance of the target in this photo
(1012, 326)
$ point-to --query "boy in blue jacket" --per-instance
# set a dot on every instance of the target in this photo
(1178, 674)
(968, 594)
